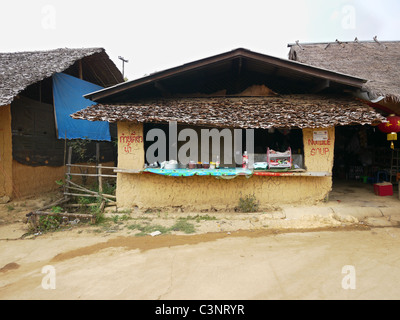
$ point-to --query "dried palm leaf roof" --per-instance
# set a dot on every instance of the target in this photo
(376, 61)
(18, 70)
(292, 111)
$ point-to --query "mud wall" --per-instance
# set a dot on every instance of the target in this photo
(5, 152)
(155, 191)
(35, 180)
(318, 155)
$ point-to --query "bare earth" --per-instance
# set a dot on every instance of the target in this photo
(234, 256)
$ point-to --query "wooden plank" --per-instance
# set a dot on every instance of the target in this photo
(127, 170)
(64, 214)
(93, 175)
(93, 193)
(88, 166)
(90, 191)
(90, 195)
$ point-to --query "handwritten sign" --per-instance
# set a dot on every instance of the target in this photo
(321, 148)
(129, 140)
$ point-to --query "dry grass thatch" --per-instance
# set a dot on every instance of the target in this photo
(379, 62)
(18, 70)
(294, 111)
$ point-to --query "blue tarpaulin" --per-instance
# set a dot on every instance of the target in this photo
(68, 94)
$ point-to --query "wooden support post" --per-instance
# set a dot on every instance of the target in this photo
(97, 156)
(80, 69)
(68, 171)
(100, 179)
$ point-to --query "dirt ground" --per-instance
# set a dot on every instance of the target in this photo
(228, 256)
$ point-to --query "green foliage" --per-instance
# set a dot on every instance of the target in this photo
(248, 204)
(199, 218)
(183, 225)
(60, 182)
(79, 147)
(146, 229)
(97, 213)
(47, 223)
(57, 209)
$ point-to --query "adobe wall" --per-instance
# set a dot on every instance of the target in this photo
(318, 155)
(5, 152)
(206, 192)
(36, 180)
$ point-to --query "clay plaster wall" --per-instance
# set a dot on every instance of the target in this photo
(150, 191)
(35, 180)
(318, 155)
(155, 191)
(5, 152)
(130, 145)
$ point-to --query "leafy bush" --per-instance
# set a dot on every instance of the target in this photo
(248, 203)
(47, 223)
(183, 225)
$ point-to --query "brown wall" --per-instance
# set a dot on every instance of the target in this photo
(36, 180)
(5, 152)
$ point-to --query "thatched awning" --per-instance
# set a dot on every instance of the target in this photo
(294, 111)
(18, 70)
(376, 61)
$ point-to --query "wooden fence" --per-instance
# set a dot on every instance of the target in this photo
(74, 189)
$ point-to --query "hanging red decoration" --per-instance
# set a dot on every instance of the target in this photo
(391, 127)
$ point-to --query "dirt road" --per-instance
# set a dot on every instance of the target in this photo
(253, 256)
(258, 264)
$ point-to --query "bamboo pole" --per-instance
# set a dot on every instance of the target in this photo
(68, 170)
(78, 205)
(90, 191)
(87, 195)
(64, 214)
(100, 180)
(89, 166)
(68, 215)
(93, 194)
(92, 175)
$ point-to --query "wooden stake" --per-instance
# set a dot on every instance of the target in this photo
(100, 180)
(68, 171)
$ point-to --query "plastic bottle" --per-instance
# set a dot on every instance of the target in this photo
(245, 162)
(217, 163)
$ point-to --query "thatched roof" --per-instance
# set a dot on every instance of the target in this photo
(18, 70)
(378, 62)
(294, 111)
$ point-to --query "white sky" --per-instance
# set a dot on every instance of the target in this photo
(158, 34)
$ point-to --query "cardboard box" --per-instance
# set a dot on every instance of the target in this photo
(383, 189)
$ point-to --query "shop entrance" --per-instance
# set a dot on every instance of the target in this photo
(363, 157)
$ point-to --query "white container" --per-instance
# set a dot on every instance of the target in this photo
(171, 166)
